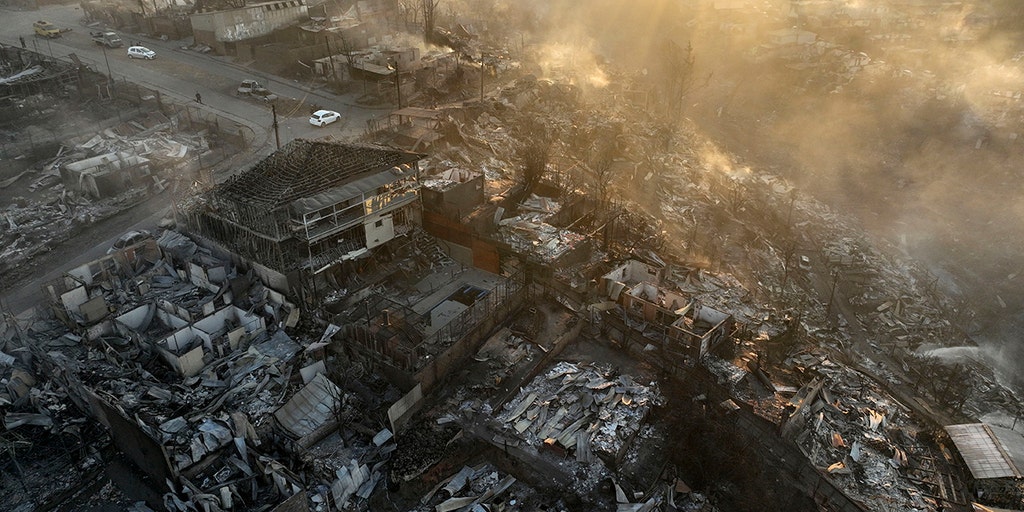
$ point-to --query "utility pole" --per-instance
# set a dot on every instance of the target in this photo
(277, 135)
(330, 57)
(790, 248)
(110, 74)
(482, 67)
(832, 293)
(398, 84)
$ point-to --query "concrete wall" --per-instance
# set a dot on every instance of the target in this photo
(249, 22)
(465, 196)
(186, 364)
(462, 244)
(400, 412)
(379, 230)
(217, 323)
(445, 363)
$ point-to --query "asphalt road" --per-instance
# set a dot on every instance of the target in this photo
(178, 73)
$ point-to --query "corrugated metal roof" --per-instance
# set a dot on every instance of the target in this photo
(353, 189)
(985, 452)
(309, 408)
(304, 168)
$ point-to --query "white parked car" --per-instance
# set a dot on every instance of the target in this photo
(141, 52)
(323, 117)
(130, 238)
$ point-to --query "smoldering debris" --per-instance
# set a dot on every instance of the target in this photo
(92, 178)
(180, 356)
(571, 404)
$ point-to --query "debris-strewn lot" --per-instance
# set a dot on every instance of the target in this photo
(561, 293)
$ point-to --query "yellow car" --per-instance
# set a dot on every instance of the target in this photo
(46, 29)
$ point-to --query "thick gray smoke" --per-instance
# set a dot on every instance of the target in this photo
(903, 113)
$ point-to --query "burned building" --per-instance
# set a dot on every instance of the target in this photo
(105, 175)
(309, 207)
(156, 17)
(170, 314)
(224, 30)
(674, 316)
(412, 128)
(994, 456)
(454, 190)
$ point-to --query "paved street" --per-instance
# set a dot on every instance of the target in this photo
(178, 74)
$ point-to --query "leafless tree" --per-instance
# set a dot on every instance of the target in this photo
(343, 375)
(348, 49)
(601, 164)
(678, 75)
(534, 154)
(409, 12)
(429, 8)
(569, 182)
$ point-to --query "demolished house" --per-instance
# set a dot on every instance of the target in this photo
(171, 300)
(105, 175)
(587, 413)
(179, 356)
(411, 128)
(637, 287)
(309, 207)
(307, 220)
(531, 235)
(456, 191)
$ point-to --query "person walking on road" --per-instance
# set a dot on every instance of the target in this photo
(199, 98)
(22, 41)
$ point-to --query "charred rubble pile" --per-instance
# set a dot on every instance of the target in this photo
(873, 448)
(755, 226)
(776, 249)
(714, 204)
(573, 424)
(92, 178)
(185, 362)
(586, 410)
(482, 487)
(51, 447)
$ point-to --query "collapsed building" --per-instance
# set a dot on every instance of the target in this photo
(331, 223)
(211, 332)
(332, 227)
(126, 146)
(193, 383)
(695, 329)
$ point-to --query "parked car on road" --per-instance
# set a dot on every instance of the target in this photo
(323, 117)
(46, 29)
(130, 238)
(141, 52)
(254, 89)
(106, 38)
(248, 86)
